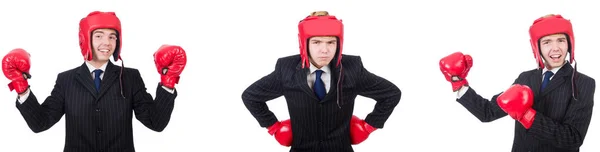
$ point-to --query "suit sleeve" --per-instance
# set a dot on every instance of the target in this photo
(42, 117)
(258, 93)
(153, 113)
(385, 93)
(485, 110)
(570, 132)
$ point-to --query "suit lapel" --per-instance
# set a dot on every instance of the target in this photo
(332, 83)
(301, 80)
(84, 77)
(536, 83)
(558, 79)
(110, 76)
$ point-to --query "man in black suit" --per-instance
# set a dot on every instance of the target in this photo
(320, 89)
(552, 105)
(98, 97)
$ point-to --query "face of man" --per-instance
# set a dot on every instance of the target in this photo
(554, 50)
(322, 50)
(104, 42)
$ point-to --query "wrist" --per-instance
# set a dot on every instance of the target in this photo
(20, 86)
(528, 118)
(369, 128)
(273, 128)
(24, 92)
(456, 85)
(169, 81)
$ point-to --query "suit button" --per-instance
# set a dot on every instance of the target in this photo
(98, 131)
(97, 109)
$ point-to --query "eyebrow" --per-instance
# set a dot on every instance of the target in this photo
(112, 33)
(545, 40)
(322, 40)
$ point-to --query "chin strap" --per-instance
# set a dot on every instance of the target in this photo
(573, 80)
(121, 77)
(339, 85)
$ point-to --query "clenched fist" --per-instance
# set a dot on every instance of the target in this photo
(15, 66)
(170, 61)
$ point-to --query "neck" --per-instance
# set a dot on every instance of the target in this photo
(97, 64)
(315, 64)
(549, 67)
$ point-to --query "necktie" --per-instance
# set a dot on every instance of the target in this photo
(547, 76)
(319, 86)
(97, 80)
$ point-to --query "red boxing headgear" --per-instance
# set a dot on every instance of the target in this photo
(319, 26)
(548, 25)
(98, 20)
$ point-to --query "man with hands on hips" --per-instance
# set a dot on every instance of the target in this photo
(551, 105)
(98, 98)
(320, 87)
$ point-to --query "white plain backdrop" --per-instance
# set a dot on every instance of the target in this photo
(231, 44)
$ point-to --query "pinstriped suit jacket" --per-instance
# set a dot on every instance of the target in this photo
(99, 122)
(561, 122)
(321, 125)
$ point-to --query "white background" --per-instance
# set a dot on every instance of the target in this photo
(231, 44)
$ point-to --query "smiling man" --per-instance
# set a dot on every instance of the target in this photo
(551, 105)
(98, 98)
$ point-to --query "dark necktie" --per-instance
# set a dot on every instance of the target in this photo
(547, 76)
(97, 80)
(319, 87)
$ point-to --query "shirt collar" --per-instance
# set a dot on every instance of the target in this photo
(92, 68)
(313, 68)
(553, 70)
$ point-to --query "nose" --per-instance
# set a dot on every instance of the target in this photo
(323, 49)
(555, 47)
(104, 40)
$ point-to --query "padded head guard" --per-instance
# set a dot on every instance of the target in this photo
(548, 25)
(319, 26)
(98, 20)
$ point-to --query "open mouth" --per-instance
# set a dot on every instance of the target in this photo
(103, 51)
(555, 57)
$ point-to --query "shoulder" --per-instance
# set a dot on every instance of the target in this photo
(68, 73)
(291, 59)
(350, 58)
(351, 61)
(128, 71)
(583, 79)
(528, 73)
(287, 62)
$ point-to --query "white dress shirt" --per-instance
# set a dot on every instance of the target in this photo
(464, 89)
(325, 76)
(22, 98)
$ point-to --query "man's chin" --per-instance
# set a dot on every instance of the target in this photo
(101, 59)
(556, 64)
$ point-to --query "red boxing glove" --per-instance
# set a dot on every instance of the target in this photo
(170, 61)
(282, 132)
(15, 66)
(359, 130)
(517, 102)
(455, 68)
